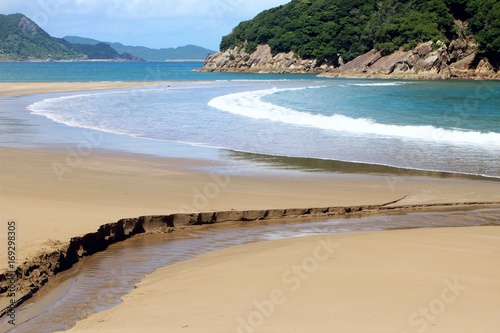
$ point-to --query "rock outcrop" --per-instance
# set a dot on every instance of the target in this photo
(261, 61)
(27, 24)
(429, 60)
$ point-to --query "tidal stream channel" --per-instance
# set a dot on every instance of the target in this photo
(97, 283)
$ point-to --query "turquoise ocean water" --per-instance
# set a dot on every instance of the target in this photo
(450, 126)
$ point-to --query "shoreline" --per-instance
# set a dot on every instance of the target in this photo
(360, 74)
(241, 196)
(445, 279)
(108, 185)
(67, 254)
(32, 88)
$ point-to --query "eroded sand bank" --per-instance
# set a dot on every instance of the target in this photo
(432, 280)
(105, 186)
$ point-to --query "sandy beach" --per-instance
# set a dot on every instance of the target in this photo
(424, 280)
(28, 88)
(100, 186)
(106, 187)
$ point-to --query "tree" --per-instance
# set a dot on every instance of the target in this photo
(321, 29)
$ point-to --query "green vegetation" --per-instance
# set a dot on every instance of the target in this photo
(322, 29)
(182, 52)
(484, 17)
(22, 39)
(98, 51)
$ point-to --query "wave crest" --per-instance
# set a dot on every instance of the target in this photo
(250, 104)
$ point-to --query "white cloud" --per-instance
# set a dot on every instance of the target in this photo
(135, 9)
(9, 6)
(192, 8)
(201, 22)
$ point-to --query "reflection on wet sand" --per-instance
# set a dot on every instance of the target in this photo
(99, 281)
(324, 165)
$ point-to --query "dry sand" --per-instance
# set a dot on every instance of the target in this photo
(27, 88)
(105, 187)
(424, 280)
(372, 282)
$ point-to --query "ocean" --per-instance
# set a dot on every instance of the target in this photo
(445, 126)
(297, 120)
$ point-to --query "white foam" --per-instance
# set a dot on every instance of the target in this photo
(250, 104)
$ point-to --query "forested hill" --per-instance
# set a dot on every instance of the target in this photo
(325, 29)
(21, 39)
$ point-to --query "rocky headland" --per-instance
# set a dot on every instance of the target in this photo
(428, 60)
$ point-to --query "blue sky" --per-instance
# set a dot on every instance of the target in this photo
(152, 23)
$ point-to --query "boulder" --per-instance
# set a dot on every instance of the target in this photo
(465, 63)
(388, 63)
(427, 64)
(484, 67)
(363, 61)
(262, 56)
(424, 48)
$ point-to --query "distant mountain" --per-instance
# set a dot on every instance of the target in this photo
(81, 40)
(22, 39)
(188, 52)
(99, 51)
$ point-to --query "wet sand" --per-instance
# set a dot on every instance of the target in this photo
(105, 186)
(433, 280)
(97, 283)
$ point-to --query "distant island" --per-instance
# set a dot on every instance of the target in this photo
(374, 38)
(21, 39)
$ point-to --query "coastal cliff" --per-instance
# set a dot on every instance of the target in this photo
(429, 60)
(396, 39)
